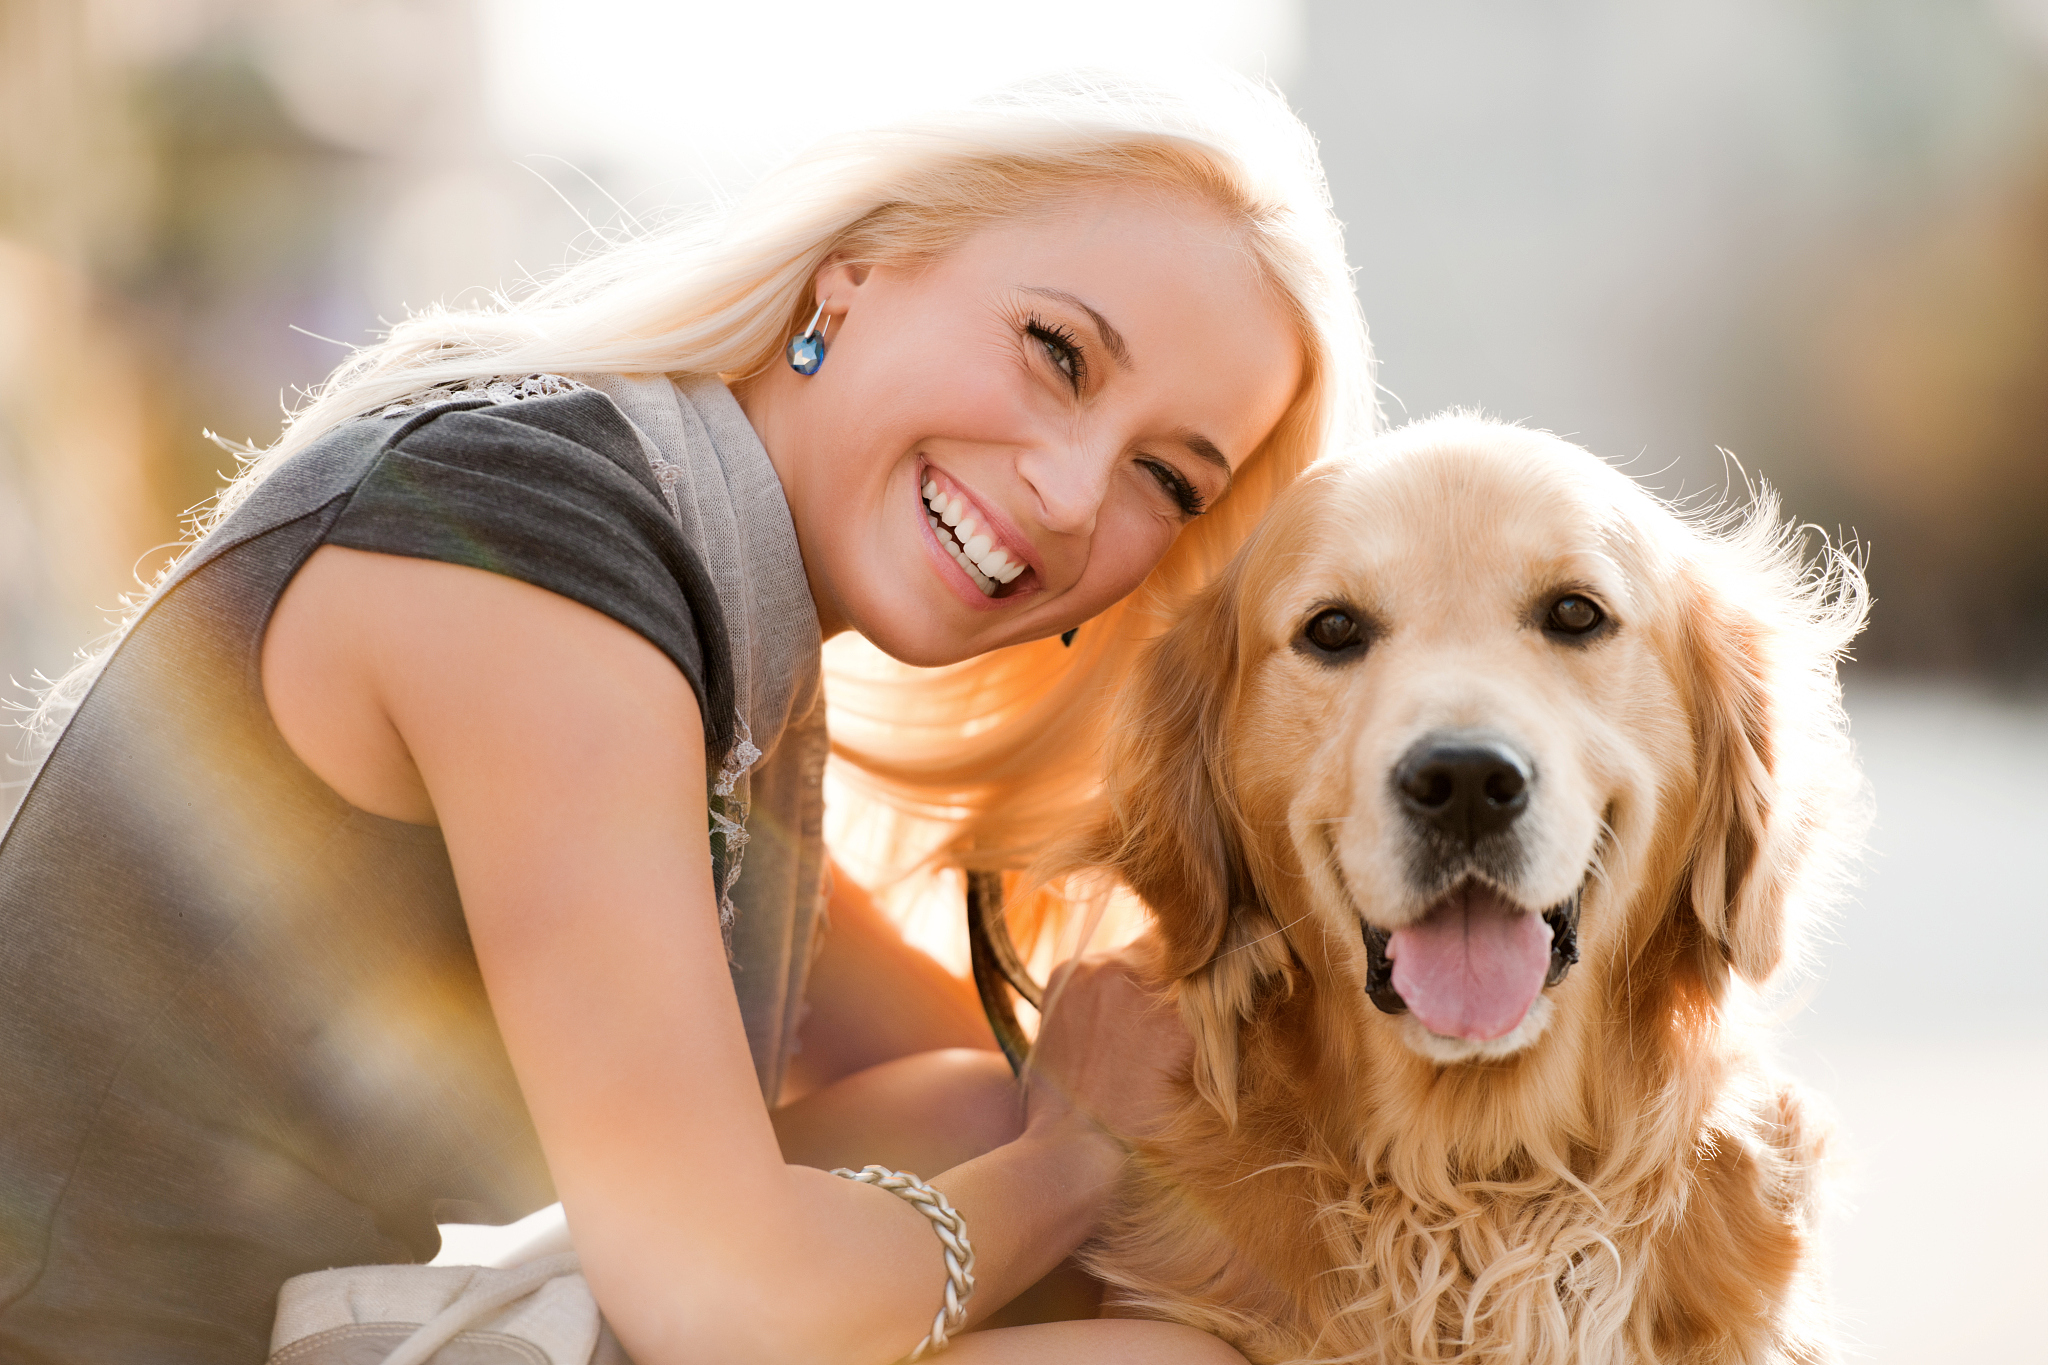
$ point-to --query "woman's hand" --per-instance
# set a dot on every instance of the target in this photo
(1110, 1049)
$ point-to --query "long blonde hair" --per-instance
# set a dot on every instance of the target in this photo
(978, 763)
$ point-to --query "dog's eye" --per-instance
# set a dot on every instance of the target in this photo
(1334, 631)
(1573, 615)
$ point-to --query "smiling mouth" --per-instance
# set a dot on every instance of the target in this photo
(1475, 962)
(962, 535)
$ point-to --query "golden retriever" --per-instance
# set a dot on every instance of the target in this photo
(1469, 803)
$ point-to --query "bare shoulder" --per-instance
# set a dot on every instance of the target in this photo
(560, 753)
(368, 657)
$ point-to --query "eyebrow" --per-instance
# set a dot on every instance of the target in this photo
(1204, 449)
(1112, 339)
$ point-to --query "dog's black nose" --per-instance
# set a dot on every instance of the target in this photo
(1467, 786)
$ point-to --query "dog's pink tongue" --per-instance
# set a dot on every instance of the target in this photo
(1472, 968)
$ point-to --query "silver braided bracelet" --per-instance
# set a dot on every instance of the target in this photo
(952, 1230)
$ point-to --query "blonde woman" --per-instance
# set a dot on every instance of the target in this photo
(444, 836)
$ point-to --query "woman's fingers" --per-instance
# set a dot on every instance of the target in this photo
(1110, 1048)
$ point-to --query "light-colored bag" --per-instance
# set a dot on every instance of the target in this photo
(531, 1307)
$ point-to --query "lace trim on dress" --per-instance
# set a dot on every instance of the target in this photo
(668, 474)
(499, 389)
(729, 805)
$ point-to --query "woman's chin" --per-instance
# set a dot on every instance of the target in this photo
(927, 623)
(920, 639)
(935, 640)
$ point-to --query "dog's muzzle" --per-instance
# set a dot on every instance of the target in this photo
(1563, 919)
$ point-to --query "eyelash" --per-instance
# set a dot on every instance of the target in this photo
(1061, 345)
(1184, 494)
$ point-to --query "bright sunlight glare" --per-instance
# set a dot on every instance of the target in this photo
(709, 91)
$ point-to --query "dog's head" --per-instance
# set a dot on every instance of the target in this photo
(1470, 707)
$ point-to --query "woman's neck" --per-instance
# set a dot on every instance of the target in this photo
(772, 402)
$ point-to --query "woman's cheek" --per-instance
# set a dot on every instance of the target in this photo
(1129, 547)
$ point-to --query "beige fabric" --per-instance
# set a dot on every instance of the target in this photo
(541, 1313)
(544, 1232)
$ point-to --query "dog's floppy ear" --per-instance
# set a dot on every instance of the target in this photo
(1166, 833)
(1739, 858)
(1778, 790)
(1171, 833)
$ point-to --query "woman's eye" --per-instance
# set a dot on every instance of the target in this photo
(1334, 630)
(1185, 495)
(1061, 357)
(1573, 615)
(1062, 349)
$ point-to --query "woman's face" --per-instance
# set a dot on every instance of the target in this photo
(1005, 442)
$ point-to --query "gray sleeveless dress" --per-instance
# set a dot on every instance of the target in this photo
(242, 1031)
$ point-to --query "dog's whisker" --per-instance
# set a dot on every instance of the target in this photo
(1274, 1167)
(1253, 943)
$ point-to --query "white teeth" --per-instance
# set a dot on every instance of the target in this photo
(972, 548)
(981, 580)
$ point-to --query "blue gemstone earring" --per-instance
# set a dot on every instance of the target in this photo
(807, 351)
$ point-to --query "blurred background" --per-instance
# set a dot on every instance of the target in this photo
(1711, 239)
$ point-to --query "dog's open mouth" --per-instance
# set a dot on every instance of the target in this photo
(1473, 965)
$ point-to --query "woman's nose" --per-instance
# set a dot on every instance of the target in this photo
(1070, 480)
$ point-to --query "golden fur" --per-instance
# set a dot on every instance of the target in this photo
(1620, 1178)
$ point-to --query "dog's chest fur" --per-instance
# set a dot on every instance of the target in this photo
(1300, 1234)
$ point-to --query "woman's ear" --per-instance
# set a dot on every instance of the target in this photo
(836, 282)
(1166, 832)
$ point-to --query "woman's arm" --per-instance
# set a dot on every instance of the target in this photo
(563, 757)
(897, 1066)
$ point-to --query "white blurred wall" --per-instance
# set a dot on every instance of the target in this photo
(1927, 1027)
(1561, 210)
